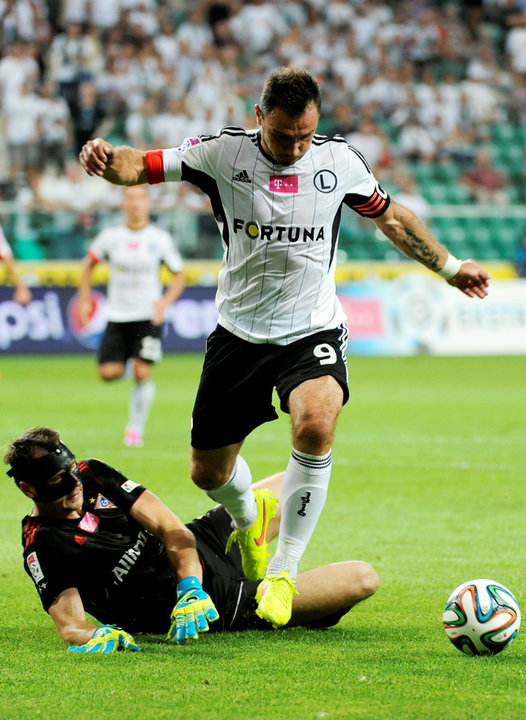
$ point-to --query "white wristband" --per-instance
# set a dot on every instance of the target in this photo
(451, 267)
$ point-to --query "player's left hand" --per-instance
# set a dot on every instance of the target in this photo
(471, 279)
(193, 612)
(107, 639)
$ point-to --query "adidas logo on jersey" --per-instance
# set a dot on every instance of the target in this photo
(242, 177)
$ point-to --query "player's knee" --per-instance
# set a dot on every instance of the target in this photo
(110, 373)
(207, 476)
(314, 431)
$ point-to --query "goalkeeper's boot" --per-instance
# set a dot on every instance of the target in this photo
(274, 597)
(252, 542)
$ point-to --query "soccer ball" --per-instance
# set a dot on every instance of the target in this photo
(481, 617)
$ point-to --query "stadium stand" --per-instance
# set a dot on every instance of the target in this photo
(435, 80)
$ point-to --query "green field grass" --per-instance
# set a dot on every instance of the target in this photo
(428, 486)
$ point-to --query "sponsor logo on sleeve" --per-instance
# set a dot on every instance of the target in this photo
(34, 567)
(189, 142)
(129, 485)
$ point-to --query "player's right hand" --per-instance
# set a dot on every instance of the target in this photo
(95, 155)
(193, 612)
(107, 639)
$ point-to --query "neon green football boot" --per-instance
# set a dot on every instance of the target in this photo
(252, 542)
(274, 597)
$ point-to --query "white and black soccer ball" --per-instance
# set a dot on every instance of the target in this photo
(481, 617)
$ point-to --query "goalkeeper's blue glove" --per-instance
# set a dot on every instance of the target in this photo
(192, 613)
(107, 639)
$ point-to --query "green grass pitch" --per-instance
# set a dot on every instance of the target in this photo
(428, 486)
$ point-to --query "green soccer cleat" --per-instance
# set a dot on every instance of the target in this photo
(274, 597)
(252, 542)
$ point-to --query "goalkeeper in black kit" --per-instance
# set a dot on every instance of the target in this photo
(97, 542)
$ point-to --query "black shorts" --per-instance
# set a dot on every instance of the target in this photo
(235, 391)
(223, 579)
(123, 340)
(234, 596)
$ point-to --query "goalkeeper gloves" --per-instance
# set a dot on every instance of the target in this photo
(107, 639)
(192, 613)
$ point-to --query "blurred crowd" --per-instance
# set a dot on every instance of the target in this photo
(404, 81)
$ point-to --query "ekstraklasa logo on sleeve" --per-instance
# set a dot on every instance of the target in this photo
(129, 485)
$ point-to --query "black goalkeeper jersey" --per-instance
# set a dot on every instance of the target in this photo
(121, 570)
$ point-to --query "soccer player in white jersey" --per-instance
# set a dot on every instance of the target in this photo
(277, 194)
(136, 303)
(21, 294)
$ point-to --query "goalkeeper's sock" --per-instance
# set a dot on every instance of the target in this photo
(303, 496)
(237, 497)
(141, 399)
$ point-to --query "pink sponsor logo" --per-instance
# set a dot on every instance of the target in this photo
(283, 183)
(89, 522)
(364, 317)
(187, 143)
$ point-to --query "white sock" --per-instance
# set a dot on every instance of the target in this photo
(141, 399)
(129, 369)
(303, 496)
(236, 496)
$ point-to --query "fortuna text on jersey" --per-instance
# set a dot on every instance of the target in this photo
(281, 233)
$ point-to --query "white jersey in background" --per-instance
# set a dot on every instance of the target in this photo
(135, 258)
(279, 227)
(5, 248)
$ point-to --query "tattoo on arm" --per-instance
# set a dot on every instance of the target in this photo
(420, 250)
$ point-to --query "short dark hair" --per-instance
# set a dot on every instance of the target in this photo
(23, 446)
(291, 89)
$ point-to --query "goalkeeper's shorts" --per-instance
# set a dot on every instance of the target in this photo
(234, 596)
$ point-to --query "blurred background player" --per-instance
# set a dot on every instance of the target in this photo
(22, 293)
(98, 542)
(136, 305)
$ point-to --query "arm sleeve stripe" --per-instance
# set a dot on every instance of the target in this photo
(154, 166)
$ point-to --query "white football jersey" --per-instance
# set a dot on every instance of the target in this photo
(135, 258)
(5, 248)
(279, 227)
